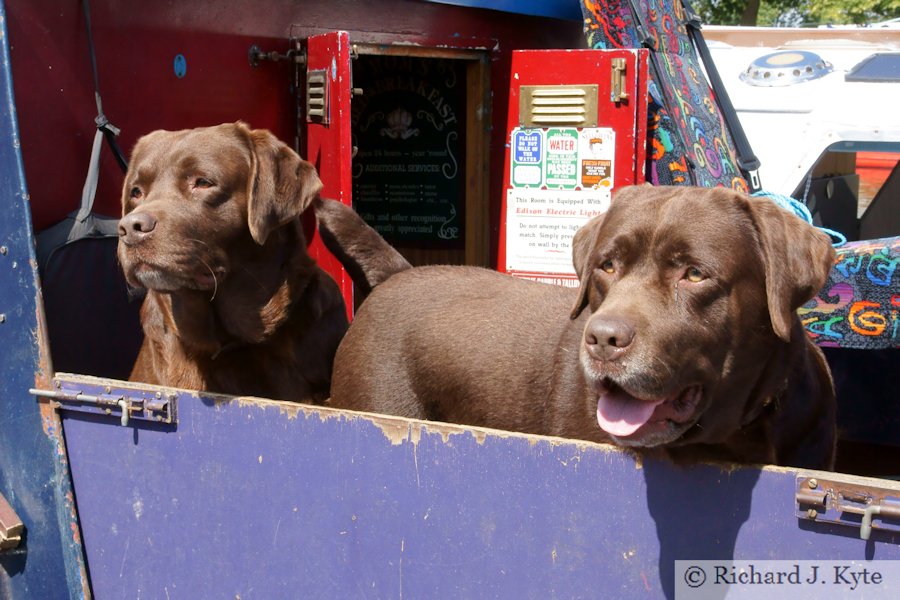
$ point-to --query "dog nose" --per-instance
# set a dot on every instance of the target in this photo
(135, 227)
(608, 338)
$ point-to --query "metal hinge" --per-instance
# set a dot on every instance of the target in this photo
(855, 505)
(126, 404)
(11, 527)
(256, 55)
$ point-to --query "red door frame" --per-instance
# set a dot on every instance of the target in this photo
(328, 141)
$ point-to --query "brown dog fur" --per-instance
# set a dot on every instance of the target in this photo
(235, 304)
(687, 298)
(367, 258)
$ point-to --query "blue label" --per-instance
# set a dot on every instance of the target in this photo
(527, 147)
(180, 66)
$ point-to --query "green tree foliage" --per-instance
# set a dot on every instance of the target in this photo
(795, 12)
(853, 11)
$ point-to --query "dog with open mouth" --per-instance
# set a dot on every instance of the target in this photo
(682, 338)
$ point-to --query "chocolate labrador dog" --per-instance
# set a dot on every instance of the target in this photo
(682, 339)
(234, 303)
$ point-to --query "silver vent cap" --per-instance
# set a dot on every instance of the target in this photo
(786, 67)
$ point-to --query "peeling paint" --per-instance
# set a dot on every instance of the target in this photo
(400, 573)
(396, 432)
(44, 366)
(76, 534)
(396, 429)
(66, 511)
(48, 417)
(574, 459)
(287, 409)
(137, 506)
(415, 433)
(445, 431)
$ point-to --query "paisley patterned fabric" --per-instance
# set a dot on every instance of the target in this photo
(609, 24)
(859, 307)
(688, 141)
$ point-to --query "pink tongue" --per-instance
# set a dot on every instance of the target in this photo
(621, 414)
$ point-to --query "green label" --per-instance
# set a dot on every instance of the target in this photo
(562, 158)
(527, 157)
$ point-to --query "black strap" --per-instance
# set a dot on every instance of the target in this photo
(109, 130)
(746, 159)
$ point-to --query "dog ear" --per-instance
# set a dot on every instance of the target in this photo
(797, 259)
(582, 246)
(282, 184)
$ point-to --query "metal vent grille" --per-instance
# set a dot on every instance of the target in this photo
(317, 96)
(558, 105)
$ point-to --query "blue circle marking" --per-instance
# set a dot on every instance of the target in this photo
(180, 65)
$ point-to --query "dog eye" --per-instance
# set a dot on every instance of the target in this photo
(200, 182)
(694, 275)
(608, 266)
(136, 192)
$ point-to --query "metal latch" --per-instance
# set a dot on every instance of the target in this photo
(126, 404)
(11, 526)
(617, 84)
(855, 505)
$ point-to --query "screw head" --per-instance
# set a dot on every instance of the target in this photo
(812, 513)
(813, 484)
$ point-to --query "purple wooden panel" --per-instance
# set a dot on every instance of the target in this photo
(257, 499)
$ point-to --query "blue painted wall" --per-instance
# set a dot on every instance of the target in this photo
(33, 471)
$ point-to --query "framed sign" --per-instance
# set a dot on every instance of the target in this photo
(559, 178)
(574, 135)
(408, 127)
